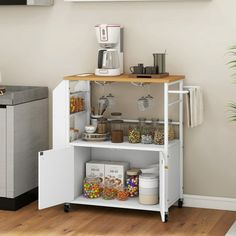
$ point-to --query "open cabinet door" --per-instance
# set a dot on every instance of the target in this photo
(56, 177)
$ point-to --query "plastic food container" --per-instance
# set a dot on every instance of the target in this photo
(133, 182)
(92, 187)
(148, 189)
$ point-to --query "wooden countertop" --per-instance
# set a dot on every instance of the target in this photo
(125, 78)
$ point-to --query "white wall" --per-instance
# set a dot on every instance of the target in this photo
(38, 46)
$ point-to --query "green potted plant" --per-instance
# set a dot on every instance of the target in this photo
(232, 64)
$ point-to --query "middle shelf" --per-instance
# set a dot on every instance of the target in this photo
(125, 145)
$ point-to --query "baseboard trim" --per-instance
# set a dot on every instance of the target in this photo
(219, 203)
(13, 204)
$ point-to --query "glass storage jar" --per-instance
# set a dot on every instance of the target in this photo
(109, 191)
(133, 182)
(155, 126)
(92, 187)
(146, 132)
(73, 104)
(102, 126)
(171, 131)
(80, 103)
(134, 134)
(122, 194)
(117, 133)
(159, 133)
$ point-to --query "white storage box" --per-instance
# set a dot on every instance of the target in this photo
(115, 172)
(95, 169)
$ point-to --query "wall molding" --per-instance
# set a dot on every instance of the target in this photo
(219, 203)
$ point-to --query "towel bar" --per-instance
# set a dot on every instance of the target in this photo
(178, 92)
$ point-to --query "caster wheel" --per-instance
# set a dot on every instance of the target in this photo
(166, 217)
(66, 208)
(180, 203)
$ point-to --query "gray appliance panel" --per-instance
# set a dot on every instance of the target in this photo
(27, 134)
(21, 94)
(3, 156)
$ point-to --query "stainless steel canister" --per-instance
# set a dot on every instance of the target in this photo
(160, 62)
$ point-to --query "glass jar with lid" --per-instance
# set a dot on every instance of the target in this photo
(134, 134)
(171, 131)
(109, 191)
(122, 194)
(133, 182)
(92, 187)
(146, 131)
(155, 126)
(159, 136)
(117, 133)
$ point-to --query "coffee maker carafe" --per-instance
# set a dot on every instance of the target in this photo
(110, 52)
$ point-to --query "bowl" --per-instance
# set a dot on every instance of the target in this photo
(90, 129)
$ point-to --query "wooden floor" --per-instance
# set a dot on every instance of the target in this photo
(85, 220)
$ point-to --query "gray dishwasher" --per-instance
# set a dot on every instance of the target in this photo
(23, 133)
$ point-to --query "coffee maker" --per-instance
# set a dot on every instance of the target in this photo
(110, 52)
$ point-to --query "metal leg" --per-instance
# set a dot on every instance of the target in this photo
(67, 207)
(164, 207)
(180, 203)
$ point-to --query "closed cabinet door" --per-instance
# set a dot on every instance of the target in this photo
(56, 177)
(3, 155)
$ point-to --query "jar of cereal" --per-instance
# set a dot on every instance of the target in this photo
(134, 135)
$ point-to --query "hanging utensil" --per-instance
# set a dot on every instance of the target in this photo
(143, 103)
(111, 100)
(102, 104)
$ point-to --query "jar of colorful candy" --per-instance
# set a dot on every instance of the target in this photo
(109, 191)
(92, 187)
(122, 194)
(133, 182)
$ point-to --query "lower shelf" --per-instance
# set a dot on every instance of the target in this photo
(131, 203)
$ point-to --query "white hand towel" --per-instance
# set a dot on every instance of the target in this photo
(194, 106)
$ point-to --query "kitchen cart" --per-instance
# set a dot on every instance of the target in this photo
(62, 169)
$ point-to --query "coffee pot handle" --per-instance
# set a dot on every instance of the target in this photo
(100, 58)
(132, 69)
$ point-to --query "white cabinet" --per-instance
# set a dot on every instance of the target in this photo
(56, 177)
(3, 152)
(62, 170)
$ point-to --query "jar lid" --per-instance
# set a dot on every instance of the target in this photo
(93, 180)
(148, 176)
(116, 113)
(133, 171)
(117, 121)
